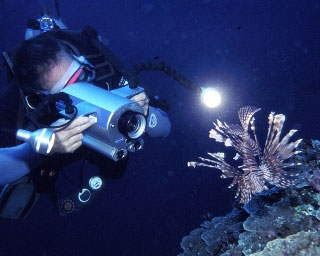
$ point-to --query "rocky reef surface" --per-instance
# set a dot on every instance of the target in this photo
(275, 222)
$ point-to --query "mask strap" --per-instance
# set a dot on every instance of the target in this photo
(87, 66)
(74, 66)
(75, 77)
(82, 60)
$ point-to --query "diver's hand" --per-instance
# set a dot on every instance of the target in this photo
(70, 138)
(142, 99)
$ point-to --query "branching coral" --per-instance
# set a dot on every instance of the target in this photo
(258, 169)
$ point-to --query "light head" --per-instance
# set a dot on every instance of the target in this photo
(210, 97)
(41, 140)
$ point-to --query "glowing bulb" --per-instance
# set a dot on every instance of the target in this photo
(211, 97)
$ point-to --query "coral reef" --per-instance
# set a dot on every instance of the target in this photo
(300, 244)
(279, 221)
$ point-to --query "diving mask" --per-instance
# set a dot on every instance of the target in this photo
(80, 70)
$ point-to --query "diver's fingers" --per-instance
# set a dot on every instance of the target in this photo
(145, 108)
(73, 140)
(60, 121)
(79, 126)
(143, 102)
(75, 146)
(78, 122)
(69, 139)
(139, 97)
(64, 143)
(142, 99)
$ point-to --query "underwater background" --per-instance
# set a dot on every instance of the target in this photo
(260, 53)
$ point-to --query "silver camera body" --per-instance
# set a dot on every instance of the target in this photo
(120, 122)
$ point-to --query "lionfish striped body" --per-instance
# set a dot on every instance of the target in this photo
(258, 169)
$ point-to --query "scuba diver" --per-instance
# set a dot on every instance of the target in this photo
(50, 59)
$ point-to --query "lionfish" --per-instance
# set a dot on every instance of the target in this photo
(258, 169)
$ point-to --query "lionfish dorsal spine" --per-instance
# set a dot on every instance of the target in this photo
(272, 142)
(270, 121)
(286, 151)
(257, 147)
(245, 114)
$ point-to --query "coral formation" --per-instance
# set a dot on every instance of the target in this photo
(279, 221)
(300, 244)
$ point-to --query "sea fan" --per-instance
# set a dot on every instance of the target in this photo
(258, 169)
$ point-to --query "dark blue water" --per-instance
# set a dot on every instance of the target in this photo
(262, 53)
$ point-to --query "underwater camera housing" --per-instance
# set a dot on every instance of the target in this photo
(120, 122)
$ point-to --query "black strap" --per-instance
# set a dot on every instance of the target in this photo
(163, 67)
(3, 65)
(33, 24)
(56, 3)
(20, 119)
(8, 60)
(108, 55)
(71, 46)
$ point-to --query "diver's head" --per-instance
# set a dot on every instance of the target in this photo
(43, 63)
(35, 58)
